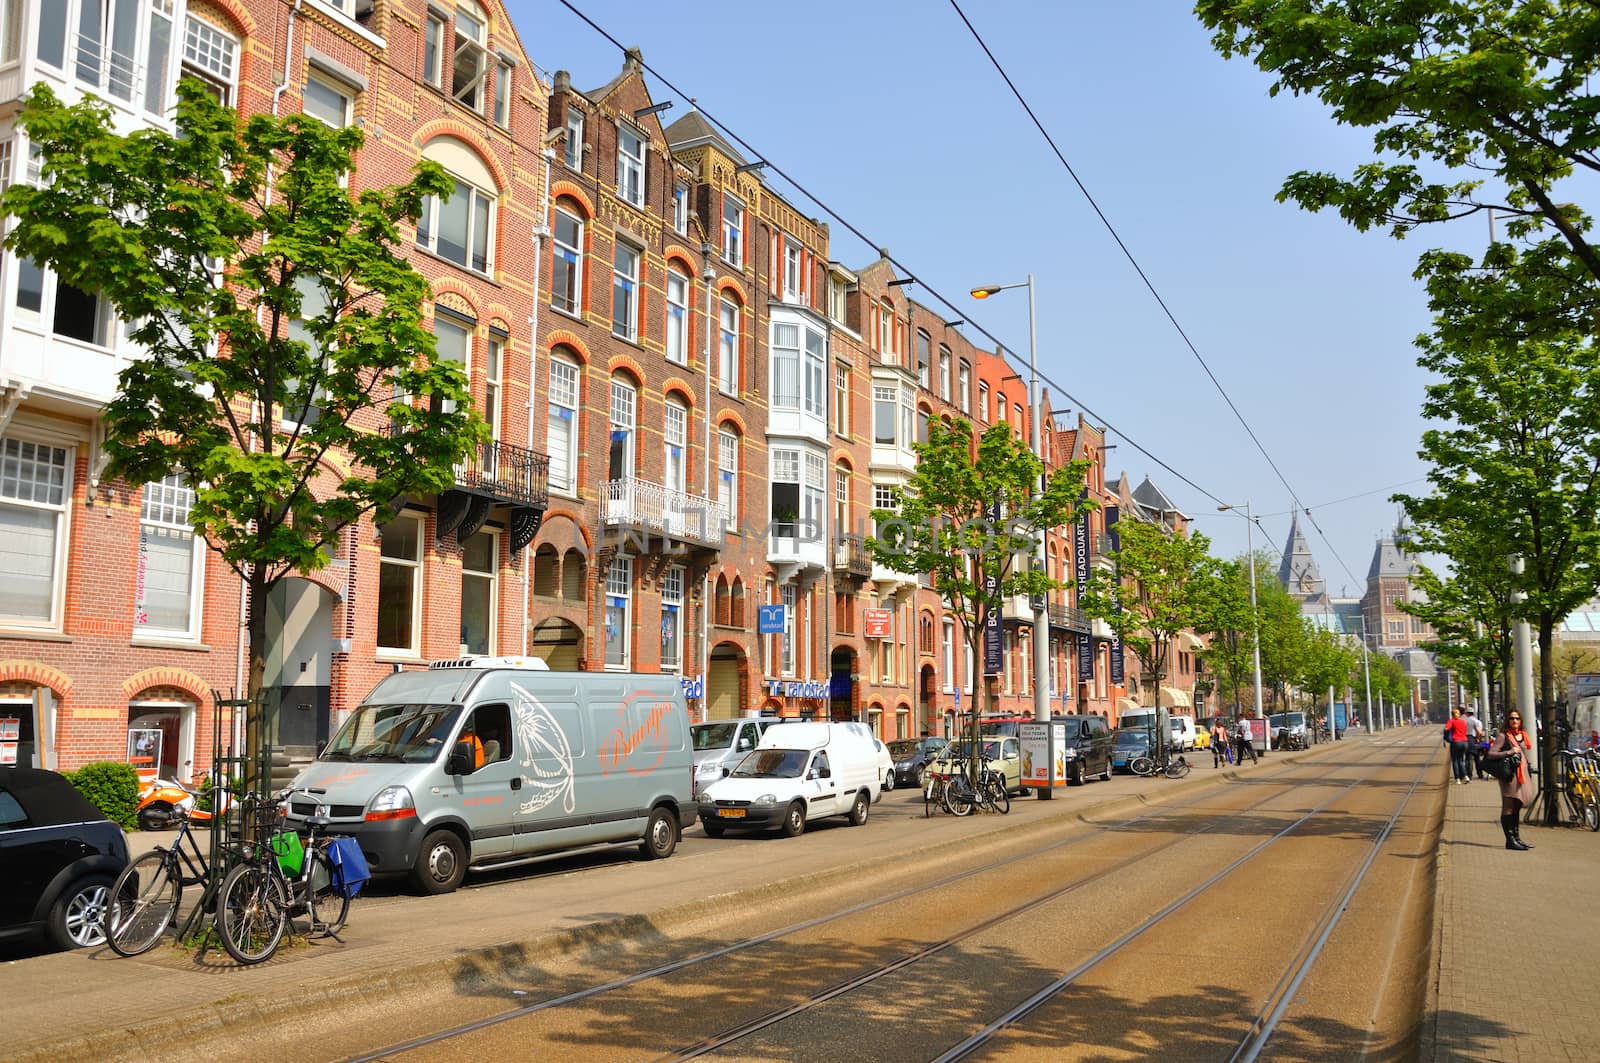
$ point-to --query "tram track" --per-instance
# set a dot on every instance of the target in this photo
(740, 1031)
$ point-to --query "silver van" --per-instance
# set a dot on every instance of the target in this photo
(488, 762)
(720, 745)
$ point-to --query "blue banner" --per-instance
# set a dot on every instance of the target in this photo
(1080, 569)
(992, 656)
(1116, 596)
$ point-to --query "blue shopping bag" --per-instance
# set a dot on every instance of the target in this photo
(350, 871)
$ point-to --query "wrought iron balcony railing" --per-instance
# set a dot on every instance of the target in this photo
(850, 555)
(1069, 617)
(508, 472)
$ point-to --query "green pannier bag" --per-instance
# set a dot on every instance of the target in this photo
(291, 854)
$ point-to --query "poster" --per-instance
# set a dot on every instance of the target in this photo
(10, 729)
(1044, 747)
(144, 750)
(8, 753)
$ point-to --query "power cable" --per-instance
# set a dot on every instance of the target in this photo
(1143, 277)
(1351, 498)
(1004, 349)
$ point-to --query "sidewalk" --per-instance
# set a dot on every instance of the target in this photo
(1539, 1003)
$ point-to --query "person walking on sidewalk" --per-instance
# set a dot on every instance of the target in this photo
(1241, 742)
(1455, 735)
(1475, 742)
(1517, 790)
(1221, 747)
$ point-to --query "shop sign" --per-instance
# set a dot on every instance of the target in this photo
(694, 687)
(798, 688)
(877, 621)
(771, 619)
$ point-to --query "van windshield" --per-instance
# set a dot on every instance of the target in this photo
(403, 734)
(773, 764)
(713, 735)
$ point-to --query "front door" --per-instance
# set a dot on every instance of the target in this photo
(821, 788)
(488, 794)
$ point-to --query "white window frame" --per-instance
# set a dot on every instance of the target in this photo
(948, 635)
(490, 577)
(841, 500)
(924, 348)
(841, 399)
(59, 463)
(433, 50)
(983, 400)
(785, 370)
(677, 323)
(631, 165)
(474, 48)
(675, 436)
(838, 298)
(619, 596)
(728, 347)
(44, 319)
(728, 475)
(494, 367)
(672, 618)
(502, 94)
(965, 389)
(814, 373)
(732, 229)
(792, 259)
(164, 509)
(428, 227)
(572, 256)
(944, 372)
(625, 285)
(565, 394)
(624, 418)
(789, 595)
(212, 56)
(884, 397)
(680, 208)
(573, 150)
(328, 85)
(886, 329)
(414, 565)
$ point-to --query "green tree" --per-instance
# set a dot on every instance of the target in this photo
(1284, 641)
(1469, 613)
(970, 518)
(1155, 592)
(1227, 617)
(1329, 662)
(1390, 682)
(289, 379)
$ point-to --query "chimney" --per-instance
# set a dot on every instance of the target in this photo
(634, 63)
(563, 82)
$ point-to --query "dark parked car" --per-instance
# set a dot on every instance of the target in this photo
(1088, 747)
(60, 857)
(1134, 742)
(912, 757)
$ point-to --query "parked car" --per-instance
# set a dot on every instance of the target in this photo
(885, 767)
(799, 773)
(1003, 750)
(1128, 744)
(60, 857)
(1202, 739)
(1088, 747)
(912, 757)
(720, 745)
(1184, 733)
(1288, 730)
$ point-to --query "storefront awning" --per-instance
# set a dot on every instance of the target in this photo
(1173, 698)
(1126, 705)
(1191, 642)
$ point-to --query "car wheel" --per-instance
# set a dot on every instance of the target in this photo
(78, 918)
(859, 810)
(922, 777)
(794, 820)
(712, 828)
(660, 835)
(441, 863)
(155, 816)
(1075, 777)
(888, 781)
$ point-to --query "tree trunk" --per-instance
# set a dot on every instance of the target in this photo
(257, 734)
(1549, 741)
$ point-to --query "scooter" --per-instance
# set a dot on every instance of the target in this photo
(160, 798)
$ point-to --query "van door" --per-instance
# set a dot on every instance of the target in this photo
(487, 796)
(821, 787)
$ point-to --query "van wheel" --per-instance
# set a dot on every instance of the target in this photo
(441, 863)
(794, 820)
(660, 835)
(1076, 777)
(859, 810)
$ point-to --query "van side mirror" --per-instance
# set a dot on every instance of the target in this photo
(459, 762)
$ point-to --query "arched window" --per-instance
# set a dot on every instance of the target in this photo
(728, 347)
(566, 269)
(736, 603)
(561, 443)
(674, 445)
(728, 474)
(460, 229)
(677, 316)
(925, 634)
(624, 406)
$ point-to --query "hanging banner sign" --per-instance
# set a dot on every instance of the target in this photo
(1080, 570)
(992, 656)
(877, 622)
(1116, 596)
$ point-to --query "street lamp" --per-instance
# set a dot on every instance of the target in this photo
(1041, 621)
(1255, 619)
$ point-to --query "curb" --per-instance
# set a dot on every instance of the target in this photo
(232, 1018)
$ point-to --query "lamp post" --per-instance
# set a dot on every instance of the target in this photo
(1255, 619)
(1373, 722)
(1041, 619)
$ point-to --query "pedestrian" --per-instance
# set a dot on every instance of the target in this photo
(1455, 736)
(1475, 741)
(1241, 742)
(1221, 748)
(1517, 790)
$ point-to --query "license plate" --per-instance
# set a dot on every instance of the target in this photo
(730, 813)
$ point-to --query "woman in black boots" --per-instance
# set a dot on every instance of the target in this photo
(1517, 790)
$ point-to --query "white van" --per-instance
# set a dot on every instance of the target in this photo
(1183, 733)
(719, 746)
(490, 762)
(800, 772)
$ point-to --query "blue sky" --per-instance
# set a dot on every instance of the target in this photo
(891, 114)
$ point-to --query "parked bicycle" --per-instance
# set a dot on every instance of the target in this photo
(146, 897)
(1582, 787)
(956, 794)
(278, 877)
(1173, 766)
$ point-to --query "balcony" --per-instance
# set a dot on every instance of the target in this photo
(686, 519)
(1069, 618)
(850, 555)
(1100, 552)
(506, 473)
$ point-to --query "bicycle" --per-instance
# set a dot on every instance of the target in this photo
(259, 898)
(1173, 767)
(959, 797)
(1582, 787)
(146, 896)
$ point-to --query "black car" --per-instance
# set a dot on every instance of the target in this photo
(1127, 746)
(1088, 747)
(60, 857)
(911, 759)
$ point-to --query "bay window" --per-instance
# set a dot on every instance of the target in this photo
(798, 368)
(884, 401)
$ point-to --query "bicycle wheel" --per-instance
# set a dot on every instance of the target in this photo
(252, 912)
(957, 797)
(1177, 768)
(144, 901)
(1591, 812)
(1141, 765)
(325, 907)
(999, 800)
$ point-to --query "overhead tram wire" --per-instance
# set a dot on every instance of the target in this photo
(910, 274)
(1145, 278)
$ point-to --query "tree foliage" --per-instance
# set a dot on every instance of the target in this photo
(289, 378)
(1225, 615)
(969, 518)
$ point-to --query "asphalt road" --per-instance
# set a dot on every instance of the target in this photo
(1285, 913)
